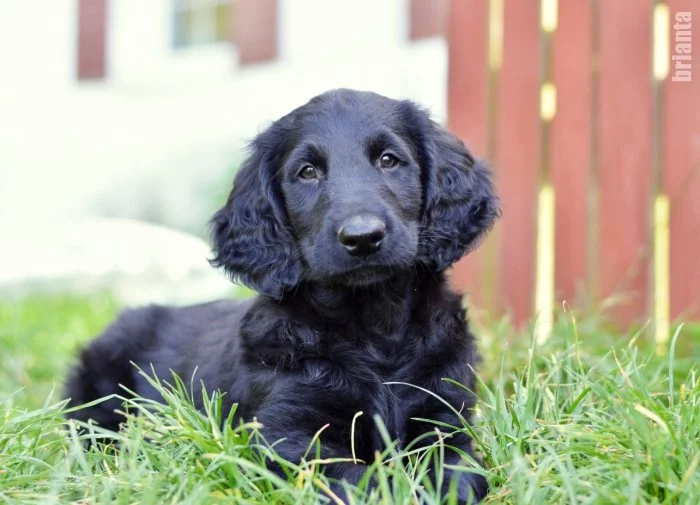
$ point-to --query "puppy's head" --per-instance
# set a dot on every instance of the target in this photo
(351, 189)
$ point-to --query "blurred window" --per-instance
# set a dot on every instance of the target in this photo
(202, 22)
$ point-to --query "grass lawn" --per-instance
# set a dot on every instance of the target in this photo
(589, 417)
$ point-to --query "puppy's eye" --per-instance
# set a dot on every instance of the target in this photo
(388, 160)
(308, 172)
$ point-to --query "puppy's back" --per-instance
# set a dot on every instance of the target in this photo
(158, 338)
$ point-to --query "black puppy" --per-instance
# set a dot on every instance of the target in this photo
(344, 217)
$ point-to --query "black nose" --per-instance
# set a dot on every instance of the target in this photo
(362, 235)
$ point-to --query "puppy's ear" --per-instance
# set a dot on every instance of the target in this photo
(250, 234)
(461, 204)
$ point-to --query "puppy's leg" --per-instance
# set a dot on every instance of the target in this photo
(298, 415)
(106, 364)
(471, 487)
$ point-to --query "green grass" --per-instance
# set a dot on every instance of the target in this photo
(589, 417)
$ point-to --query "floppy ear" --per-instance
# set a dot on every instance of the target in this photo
(250, 234)
(461, 204)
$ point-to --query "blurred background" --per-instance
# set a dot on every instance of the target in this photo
(122, 123)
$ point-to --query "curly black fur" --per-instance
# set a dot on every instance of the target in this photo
(330, 329)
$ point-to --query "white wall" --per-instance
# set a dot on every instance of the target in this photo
(317, 32)
(141, 53)
(37, 46)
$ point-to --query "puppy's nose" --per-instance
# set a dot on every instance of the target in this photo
(362, 235)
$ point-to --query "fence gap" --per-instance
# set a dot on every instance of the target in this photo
(545, 252)
(659, 295)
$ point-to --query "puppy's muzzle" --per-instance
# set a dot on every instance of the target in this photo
(362, 235)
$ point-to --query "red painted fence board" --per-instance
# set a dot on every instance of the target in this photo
(624, 174)
(570, 145)
(517, 157)
(681, 173)
(467, 114)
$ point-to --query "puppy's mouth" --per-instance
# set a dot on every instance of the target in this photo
(364, 275)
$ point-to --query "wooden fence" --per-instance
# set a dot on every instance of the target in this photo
(596, 151)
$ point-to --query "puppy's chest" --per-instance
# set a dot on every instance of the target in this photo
(376, 357)
(391, 377)
(381, 370)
